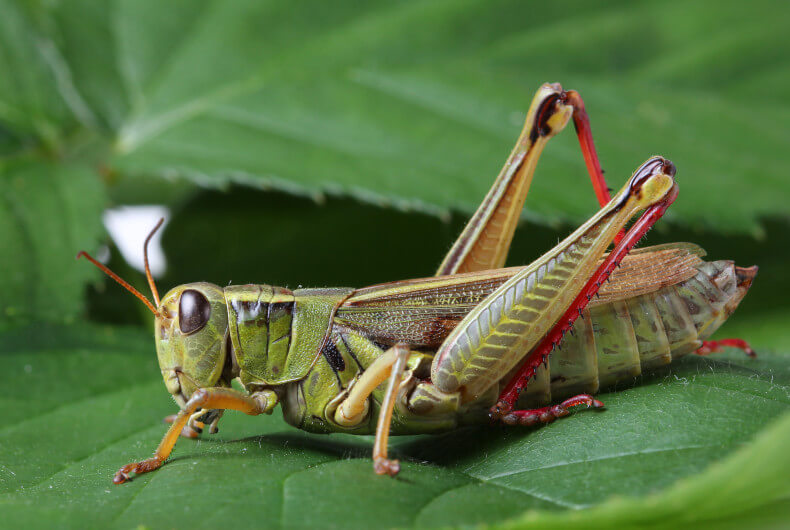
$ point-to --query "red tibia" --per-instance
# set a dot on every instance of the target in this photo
(540, 353)
(714, 346)
(550, 413)
(582, 123)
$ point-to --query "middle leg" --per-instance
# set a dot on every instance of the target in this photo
(354, 408)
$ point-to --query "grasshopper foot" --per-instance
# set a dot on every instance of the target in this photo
(384, 466)
(547, 414)
(137, 468)
(715, 346)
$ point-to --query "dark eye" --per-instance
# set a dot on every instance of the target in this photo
(193, 311)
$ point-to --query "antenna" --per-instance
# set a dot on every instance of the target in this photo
(148, 275)
(123, 283)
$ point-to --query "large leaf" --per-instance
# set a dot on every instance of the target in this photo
(31, 108)
(48, 212)
(82, 400)
(402, 103)
(417, 104)
(737, 493)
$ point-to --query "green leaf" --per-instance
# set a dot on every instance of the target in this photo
(417, 104)
(31, 107)
(749, 489)
(48, 212)
(406, 104)
(82, 400)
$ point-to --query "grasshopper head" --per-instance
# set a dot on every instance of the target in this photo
(191, 330)
(191, 338)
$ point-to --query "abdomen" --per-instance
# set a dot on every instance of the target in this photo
(617, 341)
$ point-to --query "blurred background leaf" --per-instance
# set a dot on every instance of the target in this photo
(338, 144)
(47, 210)
(412, 104)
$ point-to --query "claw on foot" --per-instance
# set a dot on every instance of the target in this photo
(715, 346)
(550, 413)
(499, 411)
(138, 468)
(385, 466)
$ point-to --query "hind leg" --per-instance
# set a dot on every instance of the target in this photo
(486, 239)
(715, 346)
(550, 413)
(540, 353)
(534, 307)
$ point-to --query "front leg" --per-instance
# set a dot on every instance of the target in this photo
(204, 398)
(200, 419)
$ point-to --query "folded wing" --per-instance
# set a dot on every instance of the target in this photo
(422, 312)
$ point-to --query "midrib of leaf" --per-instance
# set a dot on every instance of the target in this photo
(330, 41)
(715, 495)
(64, 83)
(537, 495)
(135, 92)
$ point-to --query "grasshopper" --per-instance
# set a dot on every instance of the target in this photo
(474, 343)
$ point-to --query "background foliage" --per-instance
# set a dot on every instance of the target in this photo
(335, 144)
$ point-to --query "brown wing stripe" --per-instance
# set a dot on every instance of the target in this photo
(422, 312)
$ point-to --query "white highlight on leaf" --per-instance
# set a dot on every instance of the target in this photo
(129, 226)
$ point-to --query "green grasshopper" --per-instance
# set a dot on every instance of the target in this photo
(474, 343)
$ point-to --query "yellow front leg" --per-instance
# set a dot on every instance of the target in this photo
(204, 398)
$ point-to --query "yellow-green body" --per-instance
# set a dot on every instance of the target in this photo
(311, 345)
(447, 345)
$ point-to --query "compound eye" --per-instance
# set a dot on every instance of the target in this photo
(193, 311)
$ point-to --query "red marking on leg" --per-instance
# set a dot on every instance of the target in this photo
(540, 353)
(550, 413)
(581, 122)
(715, 346)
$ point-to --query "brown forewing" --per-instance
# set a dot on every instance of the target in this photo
(422, 312)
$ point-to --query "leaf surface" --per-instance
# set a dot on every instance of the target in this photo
(83, 400)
